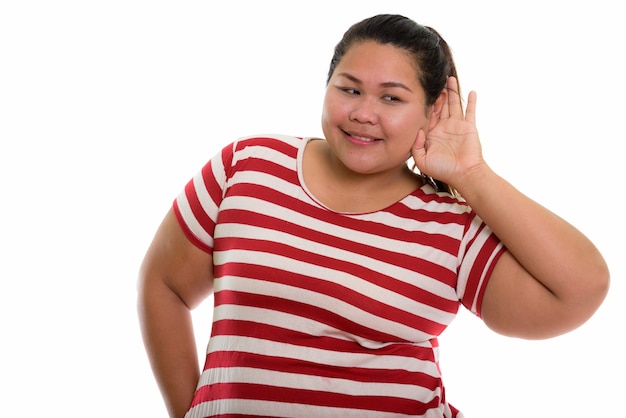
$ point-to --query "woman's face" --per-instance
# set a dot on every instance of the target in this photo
(373, 109)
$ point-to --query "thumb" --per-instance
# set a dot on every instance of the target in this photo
(418, 150)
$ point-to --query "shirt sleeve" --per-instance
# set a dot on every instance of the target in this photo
(197, 206)
(479, 252)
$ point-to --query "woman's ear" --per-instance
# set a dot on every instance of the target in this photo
(435, 109)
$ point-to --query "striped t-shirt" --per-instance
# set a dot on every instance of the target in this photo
(326, 314)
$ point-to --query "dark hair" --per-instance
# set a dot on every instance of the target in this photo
(430, 52)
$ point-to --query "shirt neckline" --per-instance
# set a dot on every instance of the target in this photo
(299, 168)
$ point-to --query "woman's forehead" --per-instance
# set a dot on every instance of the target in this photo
(376, 62)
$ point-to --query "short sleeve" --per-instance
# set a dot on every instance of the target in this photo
(480, 250)
(196, 207)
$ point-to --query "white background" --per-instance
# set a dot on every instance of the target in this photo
(108, 108)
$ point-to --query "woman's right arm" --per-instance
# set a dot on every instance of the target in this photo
(174, 278)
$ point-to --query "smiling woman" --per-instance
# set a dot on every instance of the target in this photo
(335, 268)
(108, 108)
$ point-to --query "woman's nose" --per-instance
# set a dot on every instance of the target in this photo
(364, 111)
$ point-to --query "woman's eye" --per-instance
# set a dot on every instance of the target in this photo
(390, 98)
(350, 91)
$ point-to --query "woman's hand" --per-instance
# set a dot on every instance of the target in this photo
(552, 278)
(451, 148)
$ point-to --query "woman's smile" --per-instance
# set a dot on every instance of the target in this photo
(361, 139)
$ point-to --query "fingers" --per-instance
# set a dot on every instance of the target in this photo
(470, 111)
(420, 141)
(445, 108)
(418, 151)
(454, 107)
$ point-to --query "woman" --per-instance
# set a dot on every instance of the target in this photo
(334, 266)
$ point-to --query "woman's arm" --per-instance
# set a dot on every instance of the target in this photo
(552, 278)
(175, 277)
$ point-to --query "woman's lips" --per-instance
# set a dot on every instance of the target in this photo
(361, 139)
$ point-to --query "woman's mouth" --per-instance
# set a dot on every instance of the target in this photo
(361, 139)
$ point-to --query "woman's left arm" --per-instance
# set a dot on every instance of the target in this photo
(552, 278)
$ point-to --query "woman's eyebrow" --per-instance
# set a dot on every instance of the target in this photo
(387, 84)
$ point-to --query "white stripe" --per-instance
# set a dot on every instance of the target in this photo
(268, 154)
(467, 255)
(317, 383)
(414, 202)
(410, 224)
(191, 221)
(208, 205)
(318, 355)
(279, 409)
(267, 180)
(281, 320)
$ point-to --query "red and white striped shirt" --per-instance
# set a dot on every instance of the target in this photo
(319, 313)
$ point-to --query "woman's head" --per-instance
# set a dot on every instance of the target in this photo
(430, 53)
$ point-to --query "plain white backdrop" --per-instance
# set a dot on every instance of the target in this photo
(108, 108)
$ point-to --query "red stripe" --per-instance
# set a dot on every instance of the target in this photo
(277, 393)
(283, 335)
(472, 289)
(276, 144)
(258, 165)
(225, 359)
(239, 416)
(429, 212)
(303, 310)
(437, 198)
(481, 291)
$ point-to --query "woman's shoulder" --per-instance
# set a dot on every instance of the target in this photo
(270, 139)
(278, 148)
(285, 144)
(428, 198)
